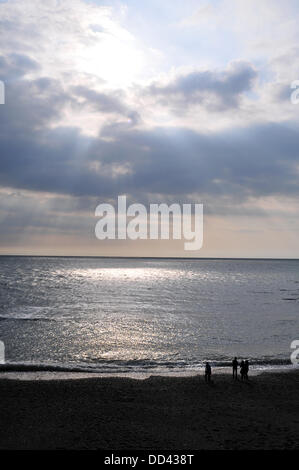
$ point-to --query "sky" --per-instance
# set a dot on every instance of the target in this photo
(164, 101)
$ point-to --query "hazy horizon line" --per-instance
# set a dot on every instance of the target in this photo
(151, 257)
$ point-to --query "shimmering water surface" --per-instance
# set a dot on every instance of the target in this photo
(123, 315)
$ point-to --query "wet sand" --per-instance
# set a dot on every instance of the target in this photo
(158, 413)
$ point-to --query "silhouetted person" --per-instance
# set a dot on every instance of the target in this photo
(235, 368)
(208, 372)
(242, 370)
(246, 369)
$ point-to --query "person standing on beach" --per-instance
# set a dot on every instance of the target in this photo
(242, 370)
(235, 368)
(208, 373)
(246, 369)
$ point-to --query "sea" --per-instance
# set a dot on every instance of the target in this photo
(138, 317)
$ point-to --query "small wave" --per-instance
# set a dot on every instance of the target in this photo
(260, 292)
(20, 318)
(136, 366)
(43, 367)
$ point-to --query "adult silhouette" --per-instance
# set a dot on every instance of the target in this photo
(235, 368)
(242, 370)
(208, 372)
(246, 369)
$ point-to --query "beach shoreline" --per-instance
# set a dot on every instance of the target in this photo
(77, 374)
(173, 413)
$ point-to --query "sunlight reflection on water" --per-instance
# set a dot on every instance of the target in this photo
(133, 274)
(119, 314)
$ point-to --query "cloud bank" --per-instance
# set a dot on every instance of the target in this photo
(225, 135)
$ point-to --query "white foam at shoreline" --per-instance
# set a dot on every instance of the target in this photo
(55, 375)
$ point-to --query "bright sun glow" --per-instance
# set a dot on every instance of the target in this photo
(116, 60)
(135, 274)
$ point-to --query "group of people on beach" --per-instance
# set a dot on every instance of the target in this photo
(244, 368)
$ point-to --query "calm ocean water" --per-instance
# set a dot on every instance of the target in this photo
(146, 315)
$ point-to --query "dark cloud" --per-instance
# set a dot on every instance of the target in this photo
(173, 162)
(106, 102)
(217, 90)
(255, 161)
(30, 105)
(38, 103)
(14, 66)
